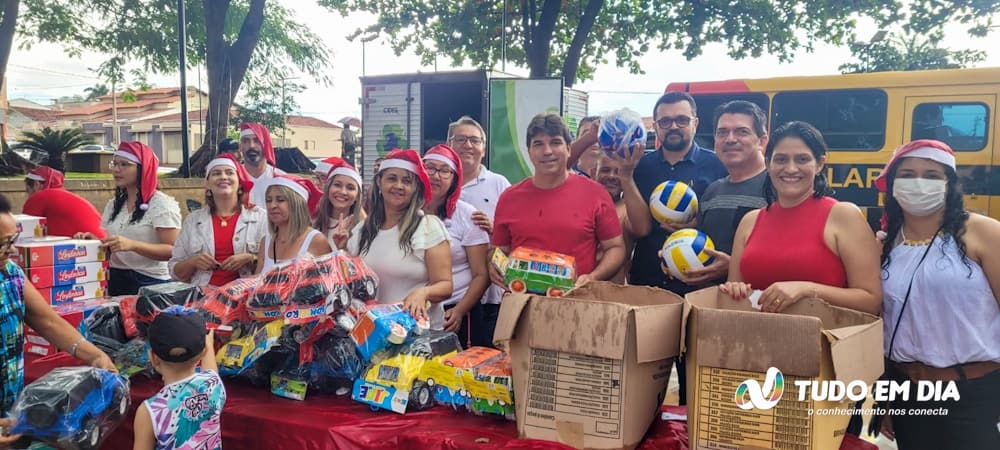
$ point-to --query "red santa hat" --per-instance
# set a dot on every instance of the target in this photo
(936, 151)
(256, 129)
(228, 160)
(337, 166)
(408, 160)
(447, 155)
(49, 177)
(304, 188)
(142, 155)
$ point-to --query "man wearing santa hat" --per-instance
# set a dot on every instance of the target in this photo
(258, 158)
(65, 212)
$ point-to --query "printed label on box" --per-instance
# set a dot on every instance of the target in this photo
(580, 385)
(64, 294)
(59, 252)
(723, 425)
(65, 275)
(30, 226)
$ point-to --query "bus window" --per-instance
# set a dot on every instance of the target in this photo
(707, 103)
(963, 126)
(849, 120)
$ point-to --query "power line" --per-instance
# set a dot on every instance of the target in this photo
(597, 91)
(55, 72)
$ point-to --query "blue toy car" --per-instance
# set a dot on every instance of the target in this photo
(72, 407)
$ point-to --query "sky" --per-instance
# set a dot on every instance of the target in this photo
(44, 72)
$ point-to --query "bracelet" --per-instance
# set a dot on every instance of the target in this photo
(72, 350)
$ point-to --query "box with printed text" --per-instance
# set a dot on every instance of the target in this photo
(30, 227)
(61, 252)
(74, 313)
(59, 295)
(64, 275)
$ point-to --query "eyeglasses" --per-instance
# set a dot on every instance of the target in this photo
(680, 121)
(462, 140)
(6, 244)
(119, 164)
(443, 172)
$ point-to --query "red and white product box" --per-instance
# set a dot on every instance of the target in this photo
(59, 295)
(65, 275)
(74, 313)
(57, 253)
(30, 226)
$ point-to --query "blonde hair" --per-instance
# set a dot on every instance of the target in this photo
(325, 213)
(298, 212)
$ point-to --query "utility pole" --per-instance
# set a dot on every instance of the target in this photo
(182, 56)
(115, 141)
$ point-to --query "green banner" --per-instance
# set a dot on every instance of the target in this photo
(513, 103)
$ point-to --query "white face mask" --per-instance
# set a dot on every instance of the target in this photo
(920, 196)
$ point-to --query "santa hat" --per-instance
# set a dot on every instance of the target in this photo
(936, 151)
(447, 155)
(228, 160)
(256, 129)
(49, 177)
(337, 166)
(408, 160)
(302, 187)
(142, 155)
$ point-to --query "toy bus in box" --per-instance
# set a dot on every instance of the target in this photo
(536, 271)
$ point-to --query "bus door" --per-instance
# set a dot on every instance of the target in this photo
(967, 123)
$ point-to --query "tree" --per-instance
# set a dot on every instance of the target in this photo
(55, 143)
(569, 38)
(269, 104)
(96, 91)
(910, 51)
(8, 24)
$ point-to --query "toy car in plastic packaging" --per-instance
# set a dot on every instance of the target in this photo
(156, 298)
(72, 407)
(536, 271)
(381, 326)
(239, 354)
(492, 387)
(448, 375)
(399, 383)
(359, 278)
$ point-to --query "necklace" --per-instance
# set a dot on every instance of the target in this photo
(916, 243)
(224, 220)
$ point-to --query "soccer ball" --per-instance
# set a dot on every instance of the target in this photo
(685, 249)
(673, 202)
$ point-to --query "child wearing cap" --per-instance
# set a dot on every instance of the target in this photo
(186, 412)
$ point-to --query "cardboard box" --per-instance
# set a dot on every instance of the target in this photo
(64, 275)
(30, 226)
(59, 295)
(590, 368)
(731, 348)
(60, 252)
(74, 313)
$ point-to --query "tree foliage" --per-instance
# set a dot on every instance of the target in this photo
(909, 52)
(268, 104)
(96, 91)
(55, 143)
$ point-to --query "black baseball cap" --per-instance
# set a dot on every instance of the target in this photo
(177, 328)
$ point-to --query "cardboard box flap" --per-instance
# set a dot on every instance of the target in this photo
(756, 341)
(658, 332)
(589, 327)
(624, 294)
(510, 313)
(857, 352)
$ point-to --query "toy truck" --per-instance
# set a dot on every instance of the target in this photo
(447, 375)
(491, 387)
(536, 271)
(399, 382)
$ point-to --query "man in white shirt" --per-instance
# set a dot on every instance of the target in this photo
(481, 189)
(258, 159)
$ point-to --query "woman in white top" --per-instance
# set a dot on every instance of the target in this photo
(340, 209)
(407, 249)
(468, 243)
(941, 280)
(219, 244)
(289, 232)
(142, 223)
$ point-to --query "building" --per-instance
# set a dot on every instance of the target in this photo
(316, 138)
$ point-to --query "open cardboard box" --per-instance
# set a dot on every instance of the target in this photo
(590, 368)
(728, 342)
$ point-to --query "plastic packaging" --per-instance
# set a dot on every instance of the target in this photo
(106, 321)
(239, 354)
(335, 360)
(620, 131)
(491, 386)
(400, 382)
(359, 278)
(126, 304)
(375, 328)
(449, 375)
(156, 298)
(227, 305)
(72, 407)
(132, 358)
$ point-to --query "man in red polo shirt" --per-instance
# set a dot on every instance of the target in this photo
(65, 212)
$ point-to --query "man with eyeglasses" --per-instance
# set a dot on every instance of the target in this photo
(65, 212)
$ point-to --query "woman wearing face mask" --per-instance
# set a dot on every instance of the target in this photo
(803, 243)
(940, 279)
(340, 209)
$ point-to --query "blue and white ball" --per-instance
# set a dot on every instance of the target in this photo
(620, 131)
(673, 202)
(685, 250)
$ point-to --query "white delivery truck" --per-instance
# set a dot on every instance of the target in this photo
(414, 110)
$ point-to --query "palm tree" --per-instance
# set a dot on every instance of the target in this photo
(55, 143)
(96, 91)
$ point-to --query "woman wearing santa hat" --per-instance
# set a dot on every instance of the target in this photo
(142, 222)
(469, 245)
(940, 284)
(340, 208)
(406, 248)
(290, 233)
(219, 244)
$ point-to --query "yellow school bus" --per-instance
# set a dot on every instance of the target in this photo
(864, 117)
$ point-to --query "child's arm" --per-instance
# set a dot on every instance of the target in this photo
(143, 427)
(208, 359)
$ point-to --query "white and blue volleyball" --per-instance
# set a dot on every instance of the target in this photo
(685, 250)
(673, 202)
(620, 131)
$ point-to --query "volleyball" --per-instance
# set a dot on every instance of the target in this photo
(673, 202)
(620, 131)
(685, 250)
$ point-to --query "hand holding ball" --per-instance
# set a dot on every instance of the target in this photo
(620, 131)
(685, 250)
(673, 202)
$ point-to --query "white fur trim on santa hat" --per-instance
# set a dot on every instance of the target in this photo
(32, 176)
(323, 168)
(933, 154)
(296, 187)
(127, 155)
(442, 158)
(219, 162)
(347, 172)
(396, 163)
(247, 132)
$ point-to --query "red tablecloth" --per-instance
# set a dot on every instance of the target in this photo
(255, 419)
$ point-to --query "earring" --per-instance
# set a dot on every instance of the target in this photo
(208, 193)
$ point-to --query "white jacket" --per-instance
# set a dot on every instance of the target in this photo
(197, 236)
